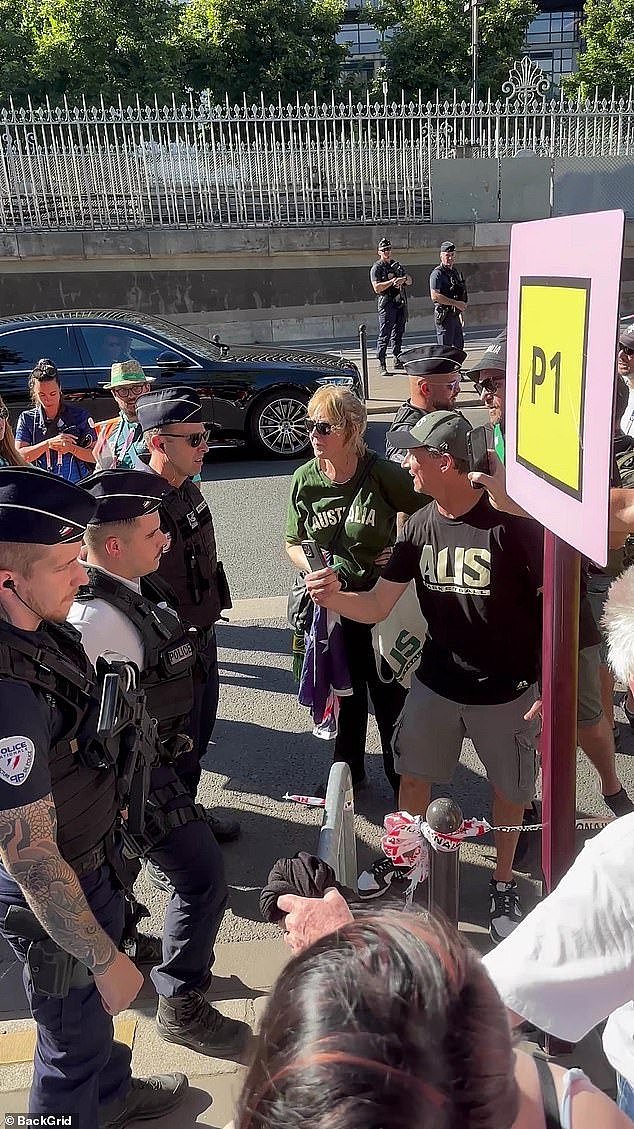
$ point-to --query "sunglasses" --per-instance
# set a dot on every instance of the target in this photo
(132, 393)
(321, 426)
(194, 440)
(489, 386)
(626, 349)
(4, 413)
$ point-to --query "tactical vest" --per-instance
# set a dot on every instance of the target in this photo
(190, 566)
(170, 652)
(54, 663)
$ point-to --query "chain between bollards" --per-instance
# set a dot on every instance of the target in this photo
(445, 817)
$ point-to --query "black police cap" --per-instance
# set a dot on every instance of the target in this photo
(38, 508)
(384, 245)
(432, 353)
(163, 406)
(121, 495)
(447, 245)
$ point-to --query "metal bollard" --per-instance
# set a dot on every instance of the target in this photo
(443, 892)
(363, 345)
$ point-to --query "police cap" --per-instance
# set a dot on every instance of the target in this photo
(384, 245)
(447, 245)
(38, 508)
(163, 406)
(430, 360)
(121, 495)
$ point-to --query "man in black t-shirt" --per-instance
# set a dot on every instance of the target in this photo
(448, 291)
(434, 383)
(478, 574)
(389, 282)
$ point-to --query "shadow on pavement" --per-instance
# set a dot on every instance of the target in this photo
(254, 637)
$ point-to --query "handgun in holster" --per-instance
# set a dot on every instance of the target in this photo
(53, 971)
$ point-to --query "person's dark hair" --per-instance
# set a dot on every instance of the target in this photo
(391, 1022)
(45, 369)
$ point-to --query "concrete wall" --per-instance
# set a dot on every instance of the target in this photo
(256, 284)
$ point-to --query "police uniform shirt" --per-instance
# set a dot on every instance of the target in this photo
(105, 629)
(26, 734)
(445, 280)
(381, 272)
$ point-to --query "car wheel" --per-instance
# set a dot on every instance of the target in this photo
(278, 424)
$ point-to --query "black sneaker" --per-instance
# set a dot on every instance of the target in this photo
(620, 803)
(383, 371)
(191, 1021)
(157, 878)
(147, 1099)
(381, 877)
(398, 364)
(505, 912)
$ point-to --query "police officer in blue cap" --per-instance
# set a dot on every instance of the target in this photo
(448, 291)
(389, 281)
(434, 384)
(176, 438)
(61, 906)
(124, 608)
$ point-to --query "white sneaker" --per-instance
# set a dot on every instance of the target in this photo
(381, 876)
(505, 911)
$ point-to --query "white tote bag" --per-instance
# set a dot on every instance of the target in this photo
(399, 638)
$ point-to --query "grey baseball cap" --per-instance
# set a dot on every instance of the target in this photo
(494, 357)
(443, 431)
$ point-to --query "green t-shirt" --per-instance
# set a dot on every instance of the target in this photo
(316, 505)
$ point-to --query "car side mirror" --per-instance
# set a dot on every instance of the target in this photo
(172, 362)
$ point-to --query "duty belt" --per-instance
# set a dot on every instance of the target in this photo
(159, 823)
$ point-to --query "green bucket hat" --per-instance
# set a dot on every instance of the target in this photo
(127, 372)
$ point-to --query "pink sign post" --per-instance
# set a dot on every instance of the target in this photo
(562, 330)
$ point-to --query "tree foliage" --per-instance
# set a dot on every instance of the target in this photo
(274, 46)
(429, 47)
(607, 57)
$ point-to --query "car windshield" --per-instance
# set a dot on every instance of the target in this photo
(185, 337)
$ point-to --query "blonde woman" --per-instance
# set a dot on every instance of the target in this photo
(320, 491)
(8, 453)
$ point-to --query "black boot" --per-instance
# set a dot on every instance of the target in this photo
(146, 1099)
(191, 1021)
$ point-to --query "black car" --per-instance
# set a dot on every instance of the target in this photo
(250, 393)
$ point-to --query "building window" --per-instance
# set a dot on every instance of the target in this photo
(552, 41)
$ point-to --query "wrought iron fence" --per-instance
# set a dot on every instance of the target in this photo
(310, 163)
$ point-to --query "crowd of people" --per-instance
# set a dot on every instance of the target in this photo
(108, 565)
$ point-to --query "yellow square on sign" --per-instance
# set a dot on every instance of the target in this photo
(552, 347)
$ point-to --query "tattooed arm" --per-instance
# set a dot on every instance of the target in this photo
(29, 853)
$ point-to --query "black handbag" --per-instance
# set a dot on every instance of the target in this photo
(299, 606)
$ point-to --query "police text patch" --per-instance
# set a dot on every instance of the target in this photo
(17, 755)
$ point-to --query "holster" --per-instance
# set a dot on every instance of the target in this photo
(160, 823)
(53, 971)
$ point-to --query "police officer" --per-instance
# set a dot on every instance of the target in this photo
(389, 282)
(172, 423)
(57, 814)
(448, 291)
(123, 609)
(434, 383)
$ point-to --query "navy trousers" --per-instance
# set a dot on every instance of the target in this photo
(392, 321)
(192, 860)
(450, 332)
(203, 715)
(78, 1067)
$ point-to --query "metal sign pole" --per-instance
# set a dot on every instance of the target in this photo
(560, 661)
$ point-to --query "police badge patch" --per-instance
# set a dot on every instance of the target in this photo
(17, 755)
